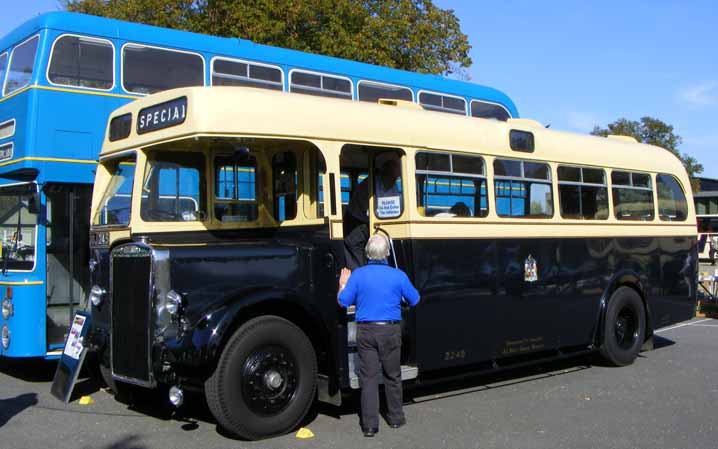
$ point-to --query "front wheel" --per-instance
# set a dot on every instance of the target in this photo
(265, 381)
(624, 327)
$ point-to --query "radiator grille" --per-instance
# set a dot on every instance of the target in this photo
(131, 313)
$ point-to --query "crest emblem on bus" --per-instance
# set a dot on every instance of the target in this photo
(530, 269)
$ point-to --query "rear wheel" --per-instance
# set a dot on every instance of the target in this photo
(265, 381)
(624, 327)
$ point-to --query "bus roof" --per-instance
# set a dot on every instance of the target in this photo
(111, 28)
(258, 112)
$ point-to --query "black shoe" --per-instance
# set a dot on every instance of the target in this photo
(370, 432)
(396, 425)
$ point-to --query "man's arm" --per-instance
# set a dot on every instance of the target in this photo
(408, 291)
(346, 294)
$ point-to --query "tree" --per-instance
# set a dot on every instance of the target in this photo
(411, 35)
(654, 132)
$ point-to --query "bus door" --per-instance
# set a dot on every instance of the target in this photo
(372, 193)
(67, 229)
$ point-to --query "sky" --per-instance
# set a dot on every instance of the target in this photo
(576, 64)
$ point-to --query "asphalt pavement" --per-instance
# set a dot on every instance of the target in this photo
(667, 399)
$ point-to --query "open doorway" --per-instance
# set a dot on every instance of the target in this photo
(367, 172)
(67, 228)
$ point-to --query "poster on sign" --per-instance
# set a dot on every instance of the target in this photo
(388, 207)
(72, 358)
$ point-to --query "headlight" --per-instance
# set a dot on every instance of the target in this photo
(7, 309)
(97, 294)
(174, 302)
(5, 336)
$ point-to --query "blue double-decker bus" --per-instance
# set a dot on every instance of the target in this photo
(60, 76)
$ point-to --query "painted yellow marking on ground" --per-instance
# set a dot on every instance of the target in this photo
(86, 400)
(304, 434)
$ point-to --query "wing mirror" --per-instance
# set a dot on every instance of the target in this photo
(33, 203)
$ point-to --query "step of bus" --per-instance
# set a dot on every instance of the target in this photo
(408, 372)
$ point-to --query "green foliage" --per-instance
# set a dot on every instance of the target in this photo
(406, 34)
(654, 132)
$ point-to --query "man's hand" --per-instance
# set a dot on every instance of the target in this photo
(344, 277)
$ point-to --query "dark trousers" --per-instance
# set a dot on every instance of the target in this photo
(379, 348)
(354, 246)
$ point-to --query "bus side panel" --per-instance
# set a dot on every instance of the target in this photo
(27, 324)
(477, 305)
(676, 301)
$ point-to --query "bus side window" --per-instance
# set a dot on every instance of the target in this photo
(450, 185)
(22, 61)
(140, 74)
(522, 189)
(583, 193)
(235, 189)
(83, 62)
(284, 186)
(632, 196)
(672, 204)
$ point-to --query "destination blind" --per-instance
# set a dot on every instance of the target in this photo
(163, 115)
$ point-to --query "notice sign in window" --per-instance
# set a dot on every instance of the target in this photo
(388, 207)
(6, 151)
(163, 115)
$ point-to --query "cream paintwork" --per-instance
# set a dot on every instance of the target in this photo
(330, 123)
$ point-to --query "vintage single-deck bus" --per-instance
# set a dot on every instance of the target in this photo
(61, 74)
(222, 273)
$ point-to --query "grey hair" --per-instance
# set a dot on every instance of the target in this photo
(377, 248)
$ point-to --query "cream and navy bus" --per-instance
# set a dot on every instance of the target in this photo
(218, 219)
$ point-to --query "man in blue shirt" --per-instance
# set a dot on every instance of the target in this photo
(377, 291)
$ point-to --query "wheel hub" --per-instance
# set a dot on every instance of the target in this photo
(269, 380)
(273, 379)
(626, 327)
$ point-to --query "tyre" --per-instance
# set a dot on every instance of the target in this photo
(624, 327)
(265, 380)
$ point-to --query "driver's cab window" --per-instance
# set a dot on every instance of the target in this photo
(173, 187)
(235, 188)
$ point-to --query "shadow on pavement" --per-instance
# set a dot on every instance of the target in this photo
(14, 406)
(662, 342)
(128, 442)
(29, 370)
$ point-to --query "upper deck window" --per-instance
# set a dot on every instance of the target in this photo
(484, 109)
(372, 92)
(672, 204)
(451, 185)
(632, 196)
(240, 73)
(320, 84)
(3, 66)
(147, 70)
(442, 103)
(523, 189)
(583, 193)
(82, 62)
(22, 61)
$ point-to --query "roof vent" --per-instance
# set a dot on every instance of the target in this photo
(399, 103)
